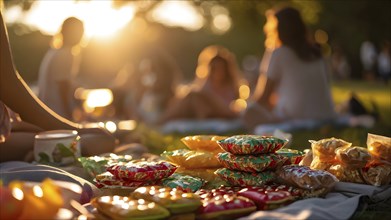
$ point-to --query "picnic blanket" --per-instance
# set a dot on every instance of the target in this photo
(215, 126)
(365, 121)
(340, 204)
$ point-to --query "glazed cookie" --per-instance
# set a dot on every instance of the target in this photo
(122, 208)
(175, 200)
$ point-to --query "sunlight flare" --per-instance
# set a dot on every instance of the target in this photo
(178, 14)
(100, 18)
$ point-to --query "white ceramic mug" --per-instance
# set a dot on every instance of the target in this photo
(59, 147)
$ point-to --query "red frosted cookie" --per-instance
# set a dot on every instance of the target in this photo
(267, 200)
(221, 191)
(225, 206)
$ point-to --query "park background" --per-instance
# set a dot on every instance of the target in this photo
(184, 30)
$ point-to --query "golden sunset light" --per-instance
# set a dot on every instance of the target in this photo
(100, 18)
(178, 13)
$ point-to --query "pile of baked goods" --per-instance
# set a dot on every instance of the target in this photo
(371, 165)
(256, 172)
(199, 159)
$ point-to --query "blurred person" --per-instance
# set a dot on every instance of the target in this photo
(368, 56)
(152, 78)
(34, 116)
(339, 64)
(384, 62)
(214, 89)
(296, 84)
(59, 68)
(159, 77)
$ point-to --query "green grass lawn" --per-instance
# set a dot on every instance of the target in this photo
(374, 91)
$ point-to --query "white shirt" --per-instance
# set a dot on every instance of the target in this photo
(57, 65)
(302, 86)
(384, 63)
(368, 54)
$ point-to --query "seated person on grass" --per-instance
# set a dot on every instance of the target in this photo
(36, 116)
(214, 90)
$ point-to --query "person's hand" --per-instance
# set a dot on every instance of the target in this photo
(96, 140)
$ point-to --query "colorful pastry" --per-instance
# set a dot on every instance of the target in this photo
(296, 193)
(325, 148)
(95, 165)
(380, 147)
(317, 164)
(142, 170)
(252, 144)
(175, 200)
(221, 191)
(203, 142)
(122, 208)
(306, 178)
(251, 163)
(377, 174)
(192, 159)
(294, 156)
(109, 180)
(183, 182)
(353, 157)
(237, 178)
(346, 174)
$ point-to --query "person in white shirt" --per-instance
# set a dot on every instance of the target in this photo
(384, 62)
(295, 85)
(59, 68)
(368, 56)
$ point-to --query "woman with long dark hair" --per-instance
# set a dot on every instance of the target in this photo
(295, 85)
